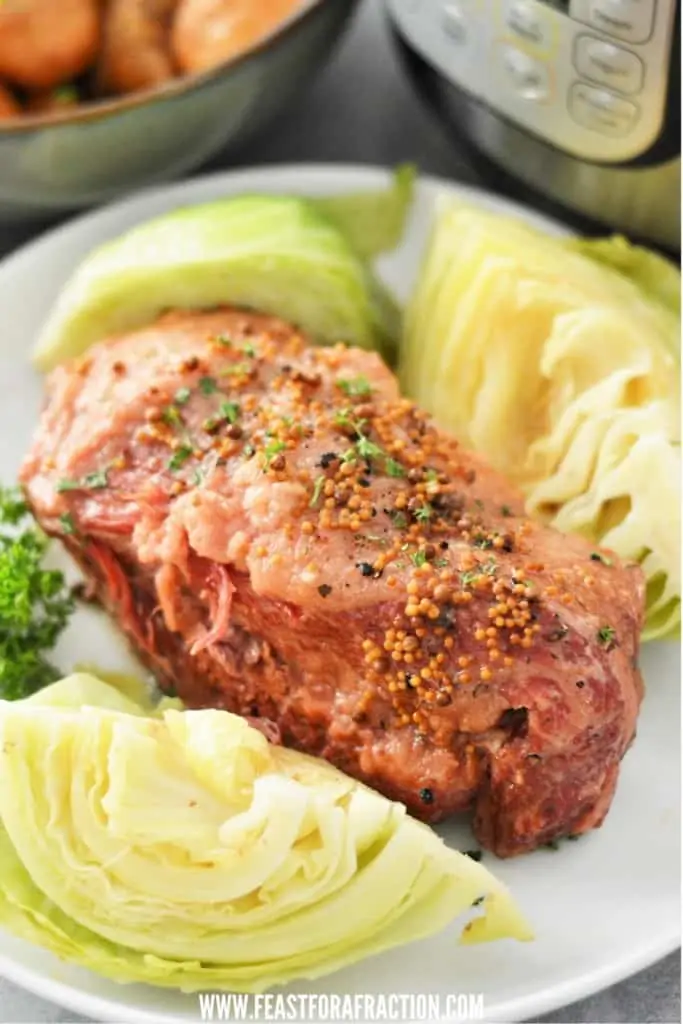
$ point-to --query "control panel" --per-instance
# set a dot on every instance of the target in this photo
(588, 76)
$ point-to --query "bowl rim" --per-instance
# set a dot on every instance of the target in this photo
(108, 107)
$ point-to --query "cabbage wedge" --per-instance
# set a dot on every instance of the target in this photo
(559, 360)
(305, 260)
(373, 221)
(183, 850)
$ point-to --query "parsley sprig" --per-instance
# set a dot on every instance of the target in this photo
(35, 603)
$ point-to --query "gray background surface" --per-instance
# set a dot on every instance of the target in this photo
(361, 109)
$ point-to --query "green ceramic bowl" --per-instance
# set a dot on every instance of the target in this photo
(102, 150)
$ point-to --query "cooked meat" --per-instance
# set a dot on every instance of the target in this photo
(279, 533)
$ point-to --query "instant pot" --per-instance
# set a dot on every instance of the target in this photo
(580, 99)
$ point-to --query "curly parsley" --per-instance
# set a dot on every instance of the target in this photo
(35, 603)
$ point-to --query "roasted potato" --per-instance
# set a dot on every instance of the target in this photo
(44, 43)
(135, 45)
(208, 32)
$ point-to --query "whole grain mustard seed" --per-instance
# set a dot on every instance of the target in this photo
(464, 614)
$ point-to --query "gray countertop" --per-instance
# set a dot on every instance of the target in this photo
(362, 110)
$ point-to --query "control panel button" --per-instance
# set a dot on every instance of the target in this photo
(528, 78)
(608, 64)
(601, 111)
(453, 22)
(527, 22)
(630, 20)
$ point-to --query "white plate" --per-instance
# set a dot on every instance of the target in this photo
(602, 907)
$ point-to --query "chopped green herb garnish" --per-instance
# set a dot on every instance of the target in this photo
(431, 476)
(607, 636)
(96, 481)
(349, 455)
(418, 558)
(480, 540)
(182, 396)
(230, 411)
(488, 569)
(35, 603)
(271, 450)
(208, 385)
(198, 476)
(68, 485)
(368, 449)
(248, 451)
(317, 491)
(342, 418)
(399, 519)
(394, 468)
(67, 523)
(179, 457)
(236, 370)
(345, 421)
(597, 556)
(224, 339)
(357, 387)
(440, 563)
(505, 510)
(249, 349)
(172, 416)
(423, 514)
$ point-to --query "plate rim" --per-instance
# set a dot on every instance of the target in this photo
(360, 176)
(374, 174)
(513, 1011)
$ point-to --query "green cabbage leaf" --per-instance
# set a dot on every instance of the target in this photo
(183, 850)
(304, 260)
